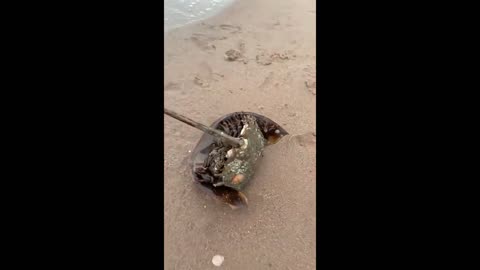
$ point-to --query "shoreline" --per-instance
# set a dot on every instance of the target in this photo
(273, 74)
(200, 14)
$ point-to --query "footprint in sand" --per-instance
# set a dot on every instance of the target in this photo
(265, 58)
(200, 82)
(306, 139)
(232, 28)
(205, 42)
(310, 82)
(311, 86)
(202, 43)
(241, 46)
(171, 86)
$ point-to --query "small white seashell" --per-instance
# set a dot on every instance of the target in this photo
(217, 260)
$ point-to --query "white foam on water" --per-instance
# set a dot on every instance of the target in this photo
(181, 12)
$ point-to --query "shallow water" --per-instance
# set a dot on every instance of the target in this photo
(182, 12)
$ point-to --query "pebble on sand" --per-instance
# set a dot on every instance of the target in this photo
(217, 260)
(232, 55)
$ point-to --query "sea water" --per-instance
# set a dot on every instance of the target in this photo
(182, 12)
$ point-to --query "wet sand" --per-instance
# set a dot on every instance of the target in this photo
(274, 75)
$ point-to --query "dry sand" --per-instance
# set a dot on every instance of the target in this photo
(275, 76)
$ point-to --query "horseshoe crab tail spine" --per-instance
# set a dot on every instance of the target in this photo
(235, 142)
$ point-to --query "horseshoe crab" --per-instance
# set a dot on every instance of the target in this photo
(224, 159)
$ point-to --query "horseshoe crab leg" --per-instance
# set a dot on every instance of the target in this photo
(235, 142)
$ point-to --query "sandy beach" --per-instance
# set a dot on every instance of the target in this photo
(271, 72)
